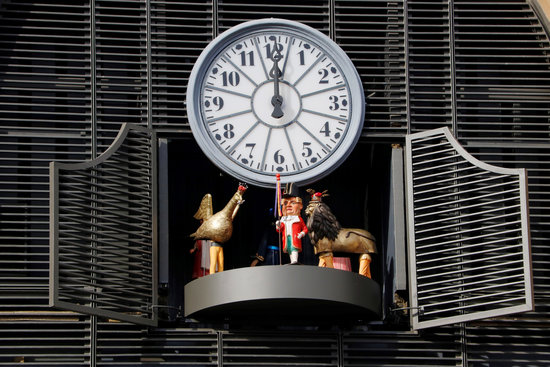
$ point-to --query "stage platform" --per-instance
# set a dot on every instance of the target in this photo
(289, 292)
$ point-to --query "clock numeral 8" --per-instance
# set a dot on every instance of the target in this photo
(228, 133)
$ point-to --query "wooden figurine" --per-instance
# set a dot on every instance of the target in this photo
(327, 236)
(217, 227)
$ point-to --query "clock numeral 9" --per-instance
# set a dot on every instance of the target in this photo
(216, 101)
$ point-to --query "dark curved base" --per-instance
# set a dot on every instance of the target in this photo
(289, 292)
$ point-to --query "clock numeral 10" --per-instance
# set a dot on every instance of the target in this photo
(232, 78)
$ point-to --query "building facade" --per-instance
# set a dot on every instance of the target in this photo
(76, 74)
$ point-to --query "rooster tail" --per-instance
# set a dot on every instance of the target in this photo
(205, 208)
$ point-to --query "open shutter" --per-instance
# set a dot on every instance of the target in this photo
(103, 240)
(469, 250)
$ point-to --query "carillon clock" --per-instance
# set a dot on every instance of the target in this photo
(274, 96)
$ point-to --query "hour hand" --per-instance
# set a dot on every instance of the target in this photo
(275, 73)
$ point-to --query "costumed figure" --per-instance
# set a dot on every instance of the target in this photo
(291, 225)
(328, 236)
(201, 262)
(218, 227)
(268, 250)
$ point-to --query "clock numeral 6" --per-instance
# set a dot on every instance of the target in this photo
(278, 157)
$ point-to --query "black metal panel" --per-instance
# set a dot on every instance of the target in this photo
(373, 35)
(430, 55)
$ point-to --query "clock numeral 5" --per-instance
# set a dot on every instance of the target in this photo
(307, 150)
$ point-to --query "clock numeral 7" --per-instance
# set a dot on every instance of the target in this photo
(251, 147)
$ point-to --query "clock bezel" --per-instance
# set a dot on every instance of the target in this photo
(246, 29)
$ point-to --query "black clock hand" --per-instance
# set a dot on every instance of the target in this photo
(275, 73)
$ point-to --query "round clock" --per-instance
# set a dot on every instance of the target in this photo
(274, 96)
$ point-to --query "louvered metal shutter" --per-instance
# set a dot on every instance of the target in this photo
(373, 35)
(469, 250)
(103, 231)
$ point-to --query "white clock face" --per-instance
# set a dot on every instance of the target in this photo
(276, 100)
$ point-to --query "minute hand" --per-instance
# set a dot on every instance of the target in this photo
(275, 73)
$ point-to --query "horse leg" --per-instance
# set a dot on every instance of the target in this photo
(325, 260)
(364, 265)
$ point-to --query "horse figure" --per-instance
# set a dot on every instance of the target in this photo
(328, 236)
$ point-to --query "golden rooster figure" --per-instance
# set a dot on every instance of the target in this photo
(218, 227)
(328, 236)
